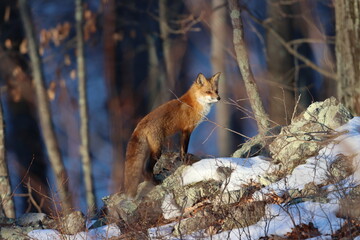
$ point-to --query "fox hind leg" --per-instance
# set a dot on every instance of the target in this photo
(155, 154)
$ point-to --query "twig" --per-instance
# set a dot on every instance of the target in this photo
(31, 198)
(291, 50)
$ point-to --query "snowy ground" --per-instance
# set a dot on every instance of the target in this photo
(279, 218)
(104, 232)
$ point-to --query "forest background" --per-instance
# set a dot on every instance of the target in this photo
(127, 57)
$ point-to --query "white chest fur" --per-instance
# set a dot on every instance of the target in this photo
(206, 107)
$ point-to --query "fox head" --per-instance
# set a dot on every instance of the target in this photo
(207, 88)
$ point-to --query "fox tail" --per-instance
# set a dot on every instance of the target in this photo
(137, 154)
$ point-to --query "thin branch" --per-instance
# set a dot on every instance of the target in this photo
(31, 198)
(310, 40)
(44, 108)
(242, 58)
(291, 50)
(7, 202)
(84, 131)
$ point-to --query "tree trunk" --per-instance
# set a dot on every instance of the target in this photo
(169, 81)
(348, 53)
(84, 131)
(155, 74)
(44, 110)
(114, 108)
(280, 64)
(5, 188)
(243, 61)
(218, 42)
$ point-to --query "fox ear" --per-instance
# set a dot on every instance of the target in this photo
(200, 79)
(216, 78)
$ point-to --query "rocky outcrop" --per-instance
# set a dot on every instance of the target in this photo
(308, 133)
(258, 145)
(17, 229)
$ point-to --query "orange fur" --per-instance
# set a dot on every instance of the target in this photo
(178, 115)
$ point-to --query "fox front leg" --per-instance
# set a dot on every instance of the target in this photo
(185, 138)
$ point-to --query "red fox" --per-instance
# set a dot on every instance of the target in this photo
(178, 115)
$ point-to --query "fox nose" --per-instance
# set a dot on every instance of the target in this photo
(218, 98)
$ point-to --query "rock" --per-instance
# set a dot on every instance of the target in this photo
(230, 216)
(15, 233)
(119, 207)
(32, 219)
(73, 223)
(258, 145)
(190, 225)
(26, 223)
(243, 215)
(349, 204)
(312, 190)
(305, 135)
(4, 221)
(341, 168)
(229, 197)
(188, 195)
(169, 162)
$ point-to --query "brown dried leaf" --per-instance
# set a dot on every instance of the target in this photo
(64, 30)
(119, 36)
(73, 74)
(89, 28)
(51, 91)
(16, 71)
(15, 94)
(274, 198)
(303, 231)
(62, 83)
(67, 60)
(7, 13)
(55, 36)
(45, 37)
(41, 51)
(23, 46)
(8, 43)
(60, 33)
(88, 14)
(133, 33)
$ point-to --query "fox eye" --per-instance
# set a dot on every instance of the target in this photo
(208, 92)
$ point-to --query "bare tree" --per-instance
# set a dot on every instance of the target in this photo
(261, 117)
(280, 64)
(218, 59)
(114, 105)
(166, 42)
(348, 53)
(172, 25)
(5, 188)
(44, 109)
(84, 131)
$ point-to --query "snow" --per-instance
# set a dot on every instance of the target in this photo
(169, 207)
(279, 220)
(244, 170)
(104, 232)
(162, 232)
(316, 168)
